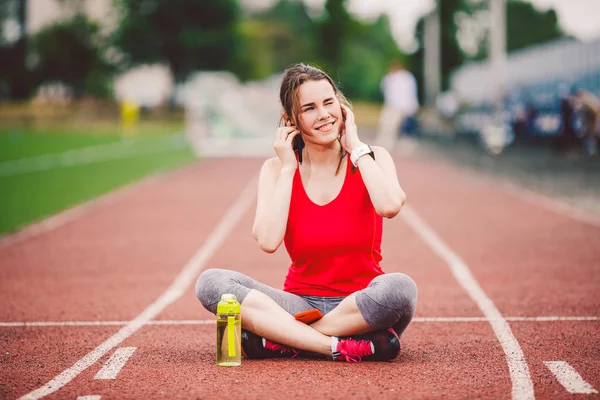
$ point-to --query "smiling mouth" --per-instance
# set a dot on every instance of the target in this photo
(326, 128)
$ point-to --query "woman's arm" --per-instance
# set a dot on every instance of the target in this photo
(273, 204)
(381, 180)
(379, 174)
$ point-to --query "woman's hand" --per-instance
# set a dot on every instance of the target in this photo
(349, 135)
(284, 138)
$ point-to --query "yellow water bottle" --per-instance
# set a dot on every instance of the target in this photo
(229, 332)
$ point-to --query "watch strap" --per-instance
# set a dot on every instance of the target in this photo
(359, 152)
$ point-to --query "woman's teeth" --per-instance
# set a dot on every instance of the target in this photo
(326, 128)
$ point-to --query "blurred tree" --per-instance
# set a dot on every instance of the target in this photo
(332, 32)
(256, 59)
(188, 35)
(69, 52)
(527, 26)
(366, 57)
(273, 39)
(14, 74)
(290, 33)
(355, 53)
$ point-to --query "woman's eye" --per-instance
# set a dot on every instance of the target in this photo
(308, 109)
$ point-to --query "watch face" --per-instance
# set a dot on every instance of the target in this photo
(359, 152)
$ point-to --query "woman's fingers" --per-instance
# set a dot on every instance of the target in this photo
(349, 113)
(292, 135)
(283, 132)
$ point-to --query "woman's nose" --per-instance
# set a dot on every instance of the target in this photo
(323, 114)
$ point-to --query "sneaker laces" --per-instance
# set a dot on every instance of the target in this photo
(281, 348)
(353, 351)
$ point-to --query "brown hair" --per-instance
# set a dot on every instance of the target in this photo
(293, 78)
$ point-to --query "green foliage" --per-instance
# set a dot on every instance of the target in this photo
(332, 32)
(527, 26)
(274, 39)
(15, 79)
(188, 34)
(355, 53)
(291, 36)
(367, 53)
(69, 52)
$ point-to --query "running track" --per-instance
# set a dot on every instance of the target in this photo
(101, 304)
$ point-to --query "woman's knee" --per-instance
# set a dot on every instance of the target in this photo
(209, 287)
(387, 299)
(401, 291)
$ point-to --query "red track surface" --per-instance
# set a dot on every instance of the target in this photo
(118, 258)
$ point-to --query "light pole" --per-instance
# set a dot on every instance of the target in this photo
(432, 56)
(497, 53)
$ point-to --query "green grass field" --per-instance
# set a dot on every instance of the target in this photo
(38, 179)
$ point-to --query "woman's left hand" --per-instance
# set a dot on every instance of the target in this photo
(349, 134)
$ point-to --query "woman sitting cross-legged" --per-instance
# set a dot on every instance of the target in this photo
(324, 195)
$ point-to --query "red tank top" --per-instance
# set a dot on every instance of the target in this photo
(335, 248)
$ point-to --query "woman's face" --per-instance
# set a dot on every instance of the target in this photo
(320, 114)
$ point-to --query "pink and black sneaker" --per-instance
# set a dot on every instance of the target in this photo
(255, 347)
(381, 345)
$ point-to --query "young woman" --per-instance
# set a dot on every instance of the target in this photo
(324, 196)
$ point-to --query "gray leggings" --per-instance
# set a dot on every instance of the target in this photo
(389, 301)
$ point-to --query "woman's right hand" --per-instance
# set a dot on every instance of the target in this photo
(283, 146)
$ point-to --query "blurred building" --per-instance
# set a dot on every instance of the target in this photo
(535, 81)
(537, 70)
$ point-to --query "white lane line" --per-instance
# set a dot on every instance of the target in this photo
(115, 363)
(551, 319)
(80, 210)
(188, 274)
(569, 378)
(211, 321)
(90, 397)
(511, 319)
(522, 385)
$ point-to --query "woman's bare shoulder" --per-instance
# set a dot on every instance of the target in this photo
(271, 167)
(272, 164)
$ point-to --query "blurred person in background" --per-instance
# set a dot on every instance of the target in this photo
(324, 196)
(587, 107)
(568, 142)
(400, 104)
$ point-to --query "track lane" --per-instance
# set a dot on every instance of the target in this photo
(124, 296)
(576, 343)
(529, 260)
(466, 355)
(128, 250)
(29, 357)
(522, 255)
(424, 344)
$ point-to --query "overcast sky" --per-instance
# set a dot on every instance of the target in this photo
(580, 18)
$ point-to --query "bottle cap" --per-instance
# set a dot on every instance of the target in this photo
(228, 304)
